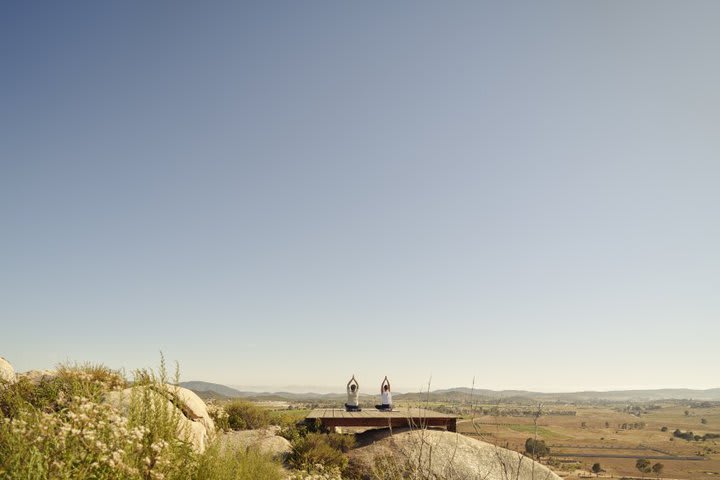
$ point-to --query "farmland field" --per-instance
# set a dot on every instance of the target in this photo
(612, 433)
(615, 436)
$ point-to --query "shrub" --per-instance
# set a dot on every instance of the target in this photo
(53, 392)
(293, 424)
(689, 436)
(47, 431)
(86, 440)
(219, 416)
(244, 415)
(341, 442)
(536, 448)
(318, 449)
(89, 380)
(14, 398)
(222, 464)
(294, 432)
(52, 433)
(643, 465)
(163, 447)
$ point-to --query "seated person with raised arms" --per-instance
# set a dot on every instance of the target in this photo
(353, 390)
(385, 396)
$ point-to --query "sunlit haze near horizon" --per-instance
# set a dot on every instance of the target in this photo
(288, 193)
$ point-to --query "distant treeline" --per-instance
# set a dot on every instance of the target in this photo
(517, 412)
(689, 436)
(498, 412)
(632, 426)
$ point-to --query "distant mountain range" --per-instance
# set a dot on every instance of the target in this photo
(207, 387)
(712, 394)
(215, 390)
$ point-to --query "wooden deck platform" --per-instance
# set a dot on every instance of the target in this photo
(371, 417)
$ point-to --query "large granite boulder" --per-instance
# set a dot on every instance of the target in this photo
(441, 454)
(193, 406)
(263, 440)
(7, 372)
(193, 426)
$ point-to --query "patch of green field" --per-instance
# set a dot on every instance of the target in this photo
(529, 429)
(543, 432)
(281, 417)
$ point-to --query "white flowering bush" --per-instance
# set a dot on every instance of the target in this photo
(62, 430)
(84, 440)
(89, 380)
(51, 392)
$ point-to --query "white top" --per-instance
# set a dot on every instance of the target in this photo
(353, 397)
(386, 397)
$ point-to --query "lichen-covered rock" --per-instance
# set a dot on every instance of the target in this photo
(7, 372)
(440, 454)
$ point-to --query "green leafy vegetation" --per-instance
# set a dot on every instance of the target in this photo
(61, 427)
(643, 465)
(536, 448)
(323, 449)
(545, 432)
(219, 464)
(243, 415)
(51, 393)
(690, 436)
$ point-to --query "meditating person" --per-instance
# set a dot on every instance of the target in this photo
(353, 390)
(385, 396)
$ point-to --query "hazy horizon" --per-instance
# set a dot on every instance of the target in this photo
(288, 193)
(405, 389)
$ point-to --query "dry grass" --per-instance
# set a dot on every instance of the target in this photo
(569, 430)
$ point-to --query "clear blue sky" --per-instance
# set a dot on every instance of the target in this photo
(286, 193)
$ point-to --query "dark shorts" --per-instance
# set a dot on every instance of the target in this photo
(384, 406)
(352, 408)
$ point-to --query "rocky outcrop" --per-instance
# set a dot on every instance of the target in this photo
(37, 376)
(194, 424)
(440, 454)
(7, 372)
(264, 440)
(193, 406)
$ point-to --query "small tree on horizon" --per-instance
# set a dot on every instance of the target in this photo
(596, 469)
(657, 469)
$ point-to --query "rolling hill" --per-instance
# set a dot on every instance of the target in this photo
(460, 394)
